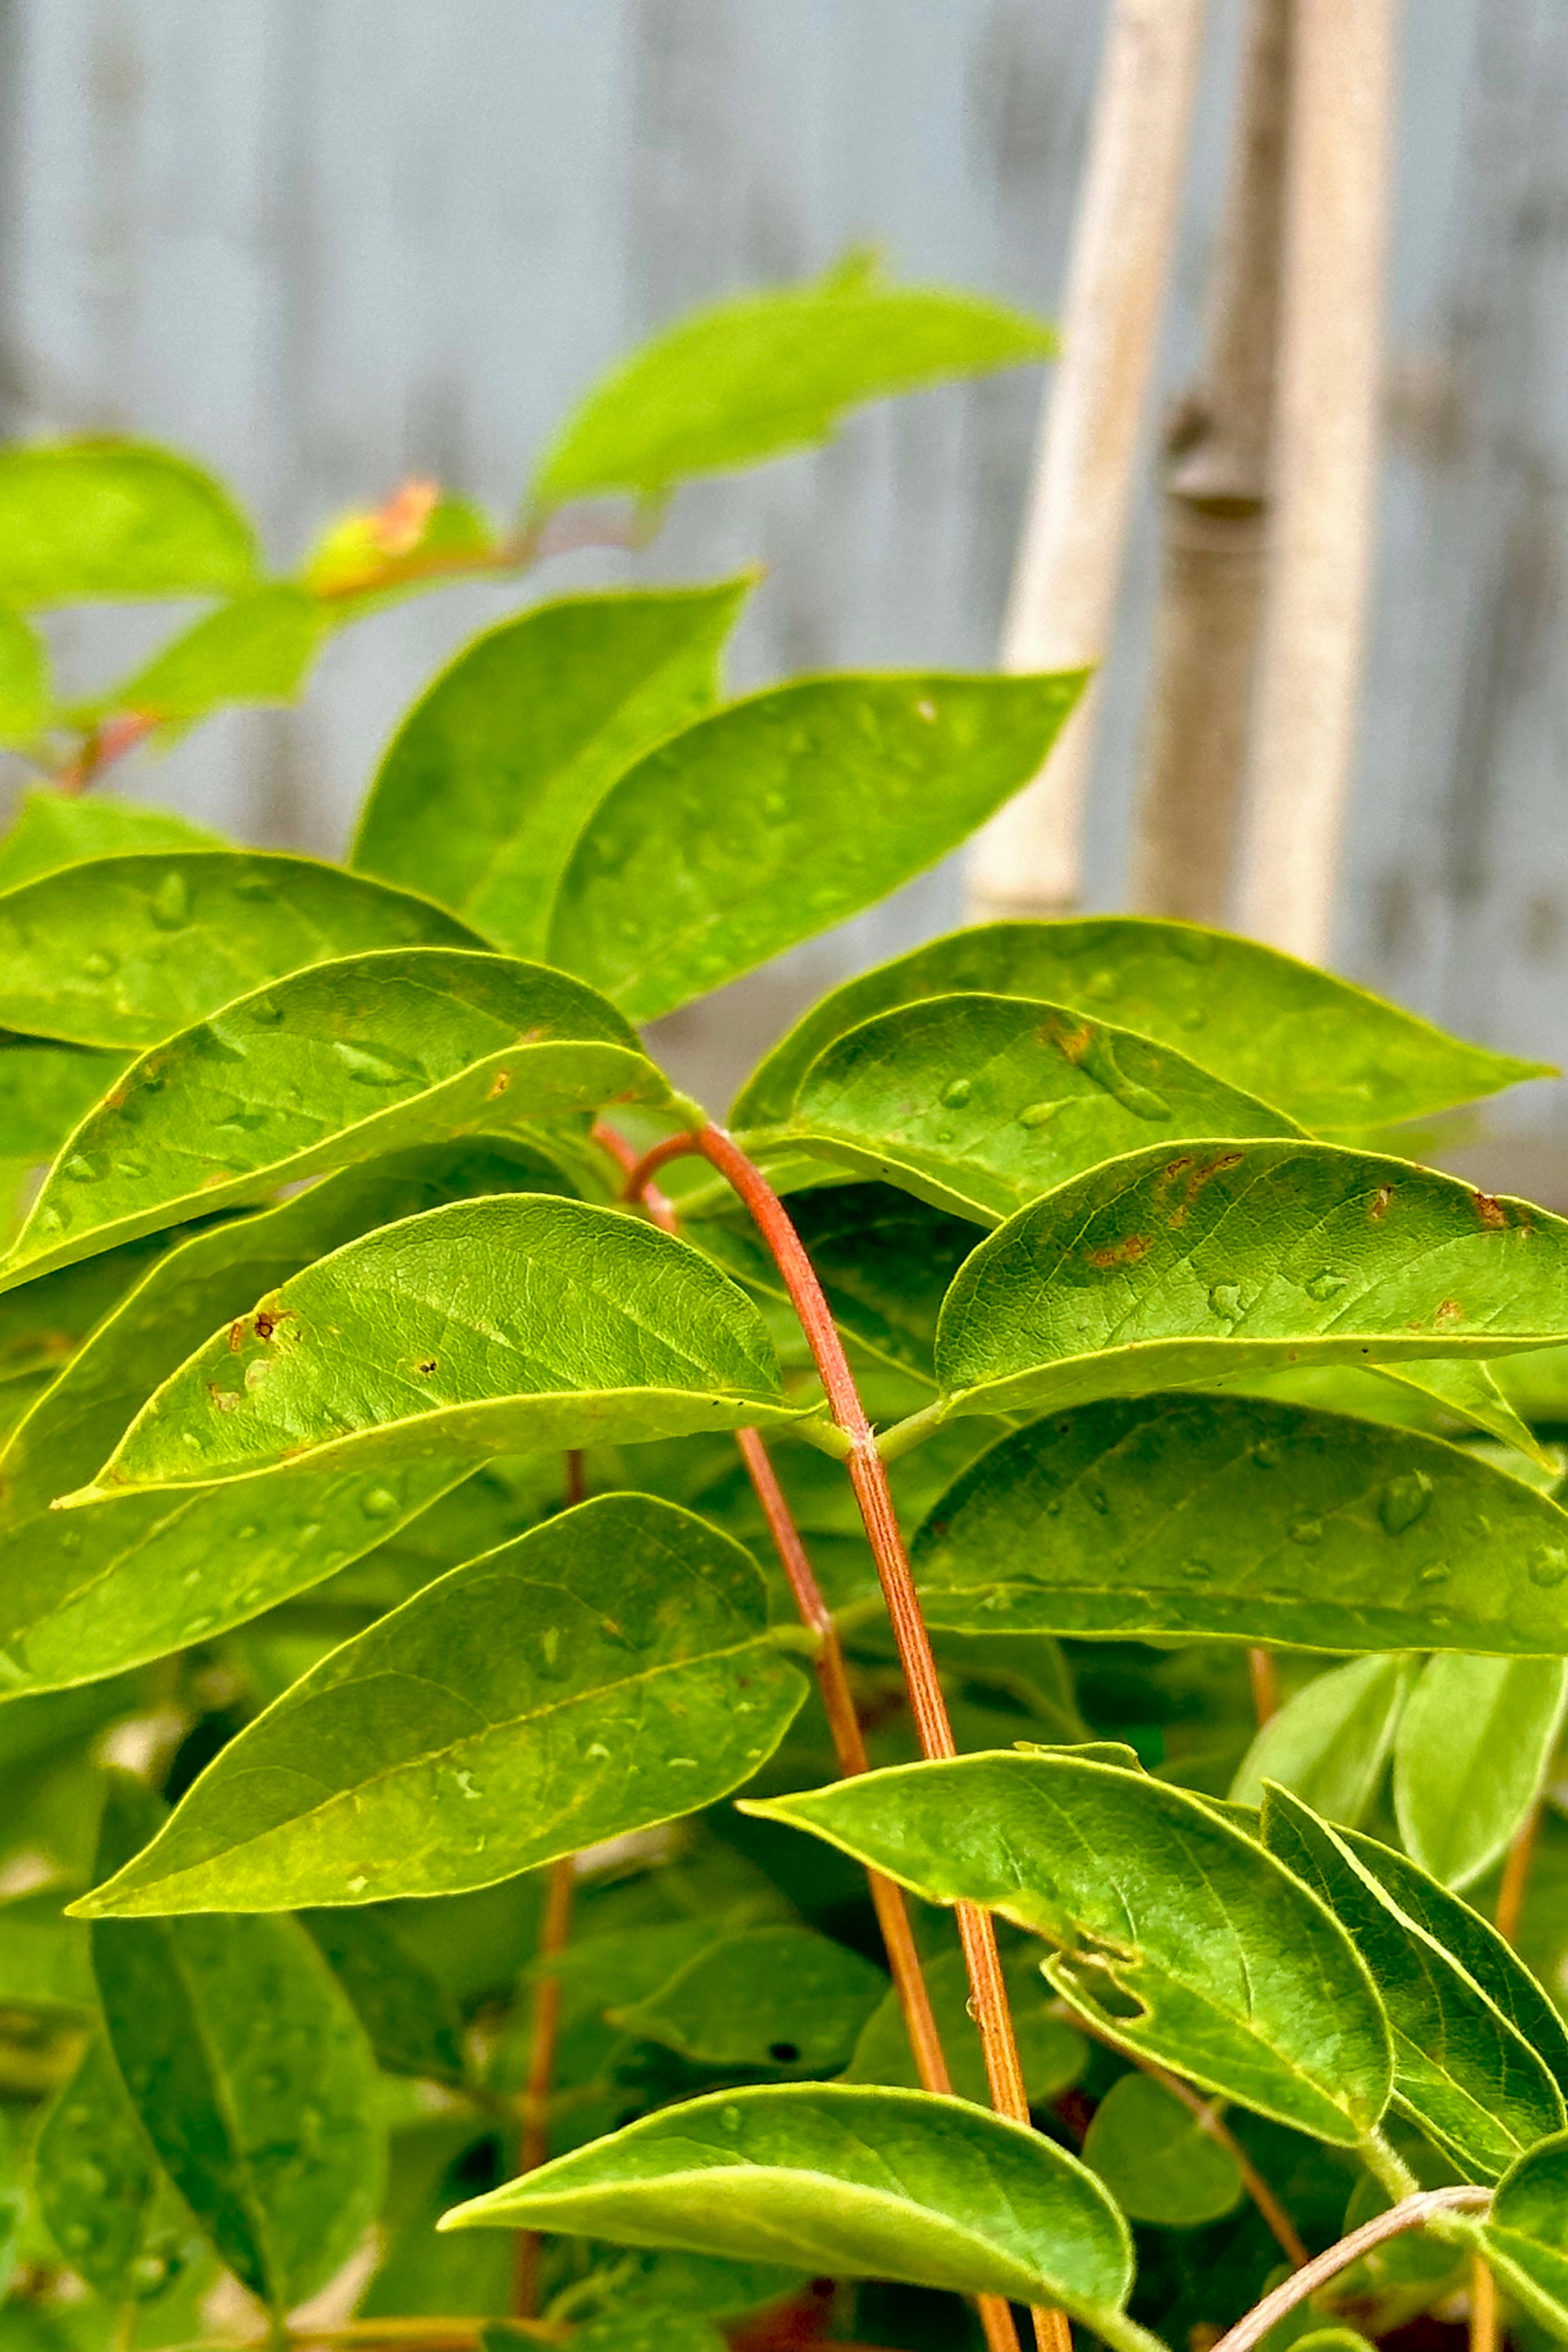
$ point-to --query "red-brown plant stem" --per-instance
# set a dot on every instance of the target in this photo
(869, 1478)
(1265, 1679)
(576, 1476)
(534, 2139)
(1516, 1876)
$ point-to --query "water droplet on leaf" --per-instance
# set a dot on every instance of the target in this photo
(1224, 1300)
(1327, 1284)
(1038, 1114)
(171, 905)
(98, 963)
(1549, 1567)
(1305, 1531)
(1403, 1500)
(956, 1094)
(379, 1504)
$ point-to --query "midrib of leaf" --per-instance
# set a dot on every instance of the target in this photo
(222, 2100)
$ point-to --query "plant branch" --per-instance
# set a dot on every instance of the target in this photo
(1483, 2307)
(1411, 2213)
(533, 2140)
(1264, 1677)
(1516, 1876)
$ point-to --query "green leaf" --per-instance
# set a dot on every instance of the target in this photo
(258, 649)
(337, 1063)
(979, 1104)
(133, 1577)
(23, 679)
(56, 829)
(768, 373)
(85, 519)
(126, 951)
(413, 2025)
(110, 2206)
(1328, 1054)
(853, 2182)
(777, 816)
(1329, 1743)
(1199, 1262)
(1228, 1517)
(1176, 1934)
(1157, 2160)
(1467, 1391)
(1051, 2054)
(1525, 2235)
(492, 777)
(1462, 2072)
(251, 2075)
(654, 2327)
(44, 1962)
(608, 1670)
(1472, 1752)
(594, 1329)
(45, 1090)
(777, 1997)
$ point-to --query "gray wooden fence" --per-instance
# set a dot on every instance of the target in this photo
(329, 243)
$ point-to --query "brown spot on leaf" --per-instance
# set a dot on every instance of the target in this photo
(498, 1084)
(1123, 1252)
(236, 1335)
(1490, 1211)
(224, 1399)
(1071, 1043)
(428, 1364)
(268, 1318)
(1450, 1311)
(1380, 1201)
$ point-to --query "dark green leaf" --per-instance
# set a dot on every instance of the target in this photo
(110, 2206)
(653, 2327)
(1051, 2054)
(1471, 1753)
(1157, 2160)
(44, 1962)
(777, 1997)
(1195, 1263)
(979, 1104)
(338, 1063)
(1329, 1743)
(610, 1669)
(413, 2025)
(492, 1327)
(86, 519)
(257, 649)
(779, 816)
(855, 2181)
(251, 2075)
(1228, 1517)
(1462, 2072)
(1176, 1934)
(56, 829)
(23, 679)
(1525, 2236)
(125, 950)
(492, 775)
(769, 373)
(1330, 1054)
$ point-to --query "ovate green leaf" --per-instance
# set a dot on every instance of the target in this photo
(1525, 2235)
(1199, 1262)
(494, 773)
(1050, 2052)
(55, 829)
(1174, 1933)
(125, 950)
(1225, 1517)
(337, 1063)
(411, 2021)
(608, 1670)
(44, 1962)
(779, 816)
(83, 519)
(979, 1104)
(1157, 2160)
(252, 2076)
(492, 1327)
(1462, 2071)
(257, 649)
(852, 2181)
(1328, 1054)
(769, 373)
(1472, 1752)
(777, 1997)
(110, 2206)
(23, 679)
(1329, 1743)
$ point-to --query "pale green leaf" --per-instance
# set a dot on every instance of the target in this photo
(252, 2076)
(778, 816)
(1462, 2072)
(492, 1327)
(55, 829)
(126, 951)
(772, 372)
(1470, 1756)
(258, 649)
(610, 1669)
(23, 679)
(1326, 1052)
(1525, 2235)
(780, 1997)
(86, 519)
(1225, 1517)
(1329, 1743)
(1466, 1392)
(1193, 1262)
(1176, 1934)
(855, 2182)
(494, 773)
(979, 1104)
(110, 2206)
(1155, 2158)
(43, 1324)
(1050, 2052)
(341, 1062)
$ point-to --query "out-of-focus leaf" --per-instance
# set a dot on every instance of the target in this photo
(257, 648)
(1329, 1743)
(1241, 1978)
(55, 829)
(1328, 1053)
(492, 775)
(777, 1997)
(772, 372)
(45, 1090)
(1228, 1518)
(44, 1962)
(86, 519)
(609, 1670)
(366, 558)
(110, 2206)
(1469, 1392)
(779, 816)
(413, 2025)
(23, 679)
(856, 2181)
(648, 2327)
(1157, 2160)
(1525, 2235)
(1051, 2053)
(1470, 1756)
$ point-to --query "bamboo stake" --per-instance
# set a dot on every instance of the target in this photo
(1214, 518)
(1026, 861)
(1336, 206)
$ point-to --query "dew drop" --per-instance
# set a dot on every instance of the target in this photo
(84, 1169)
(680, 1763)
(1403, 1500)
(1038, 1114)
(1326, 1285)
(248, 1534)
(1096, 1498)
(1436, 1574)
(1224, 1300)
(265, 1013)
(1549, 1567)
(549, 1647)
(98, 963)
(256, 888)
(730, 2119)
(957, 1093)
(366, 1069)
(1193, 1016)
(358, 1885)
(465, 1782)
(379, 1504)
(1305, 1531)
(1100, 986)
(1267, 1453)
(130, 1166)
(600, 1751)
(71, 1540)
(1193, 946)
(1196, 1572)
(171, 905)
(942, 1135)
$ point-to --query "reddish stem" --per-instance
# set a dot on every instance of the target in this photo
(1264, 1676)
(533, 2140)
(1516, 1876)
